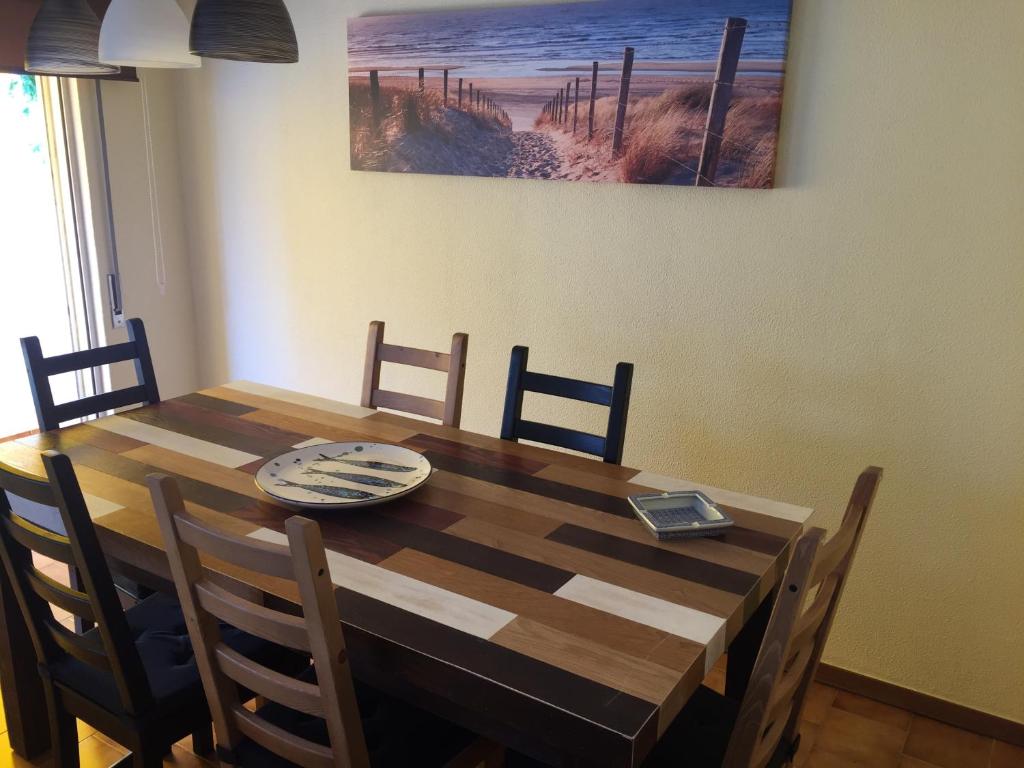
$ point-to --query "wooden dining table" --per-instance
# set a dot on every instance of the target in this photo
(515, 593)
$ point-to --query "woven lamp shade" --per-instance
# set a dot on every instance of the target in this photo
(64, 40)
(244, 30)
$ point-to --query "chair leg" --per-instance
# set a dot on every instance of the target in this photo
(202, 740)
(63, 731)
(148, 757)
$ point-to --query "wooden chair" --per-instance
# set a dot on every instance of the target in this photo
(40, 369)
(616, 397)
(130, 677)
(318, 718)
(452, 363)
(763, 729)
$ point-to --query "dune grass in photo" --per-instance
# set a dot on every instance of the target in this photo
(664, 135)
(414, 130)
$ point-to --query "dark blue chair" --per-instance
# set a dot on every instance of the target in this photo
(134, 676)
(616, 398)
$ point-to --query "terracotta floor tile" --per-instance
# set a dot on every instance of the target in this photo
(873, 710)
(1006, 756)
(96, 752)
(9, 760)
(913, 762)
(819, 701)
(84, 730)
(946, 746)
(848, 739)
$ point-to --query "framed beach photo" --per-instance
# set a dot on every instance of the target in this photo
(672, 92)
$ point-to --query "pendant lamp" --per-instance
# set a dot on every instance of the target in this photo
(244, 30)
(64, 40)
(146, 33)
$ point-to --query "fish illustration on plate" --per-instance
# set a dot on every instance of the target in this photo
(381, 466)
(380, 482)
(329, 490)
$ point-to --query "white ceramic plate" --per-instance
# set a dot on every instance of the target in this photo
(343, 475)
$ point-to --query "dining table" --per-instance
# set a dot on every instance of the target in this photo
(515, 593)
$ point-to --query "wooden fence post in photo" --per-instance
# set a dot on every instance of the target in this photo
(568, 96)
(561, 104)
(460, 93)
(576, 106)
(721, 96)
(471, 97)
(620, 116)
(593, 100)
(421, 79)
(375, 96)
(446, 87)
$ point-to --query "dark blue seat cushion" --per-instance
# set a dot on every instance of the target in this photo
(161, 638)
(397, 734)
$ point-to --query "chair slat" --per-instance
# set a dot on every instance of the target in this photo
(571, 389)
(572, 439)
(279, 741)
(26, 486)
(616, 398)
(418, 358)
(40, 369)
(449, 411)
(31, 536)
(89, 358)
(255, 619)
(811, 620)
(108, 401)
(78, 646)
(292, 693)
(55, 593)
(832, 553)
(786, 686)
(399, 401)
(261, 556)
(770, 739)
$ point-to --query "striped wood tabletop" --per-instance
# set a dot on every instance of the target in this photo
(515, 592)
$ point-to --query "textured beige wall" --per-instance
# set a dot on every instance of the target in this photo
(869, 311)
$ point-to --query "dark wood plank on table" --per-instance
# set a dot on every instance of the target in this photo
(514, 593)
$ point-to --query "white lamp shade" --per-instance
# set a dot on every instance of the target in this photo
(146, 33)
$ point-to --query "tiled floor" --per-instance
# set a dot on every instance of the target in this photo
(839, 730)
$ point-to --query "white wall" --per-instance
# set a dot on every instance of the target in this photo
(868, 311)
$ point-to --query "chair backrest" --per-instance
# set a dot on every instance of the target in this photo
(40, 369)
(797, 632)
(110, 648)
(616, 398)
(449, 411)
(318, 632)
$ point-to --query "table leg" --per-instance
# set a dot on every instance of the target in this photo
(744, 649)
(24, 700)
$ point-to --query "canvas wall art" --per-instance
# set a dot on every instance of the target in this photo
(673, 92)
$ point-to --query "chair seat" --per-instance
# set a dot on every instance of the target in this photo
(161, 637)
(697, 738)
(397, 734)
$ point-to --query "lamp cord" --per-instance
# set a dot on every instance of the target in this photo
(160, 263)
